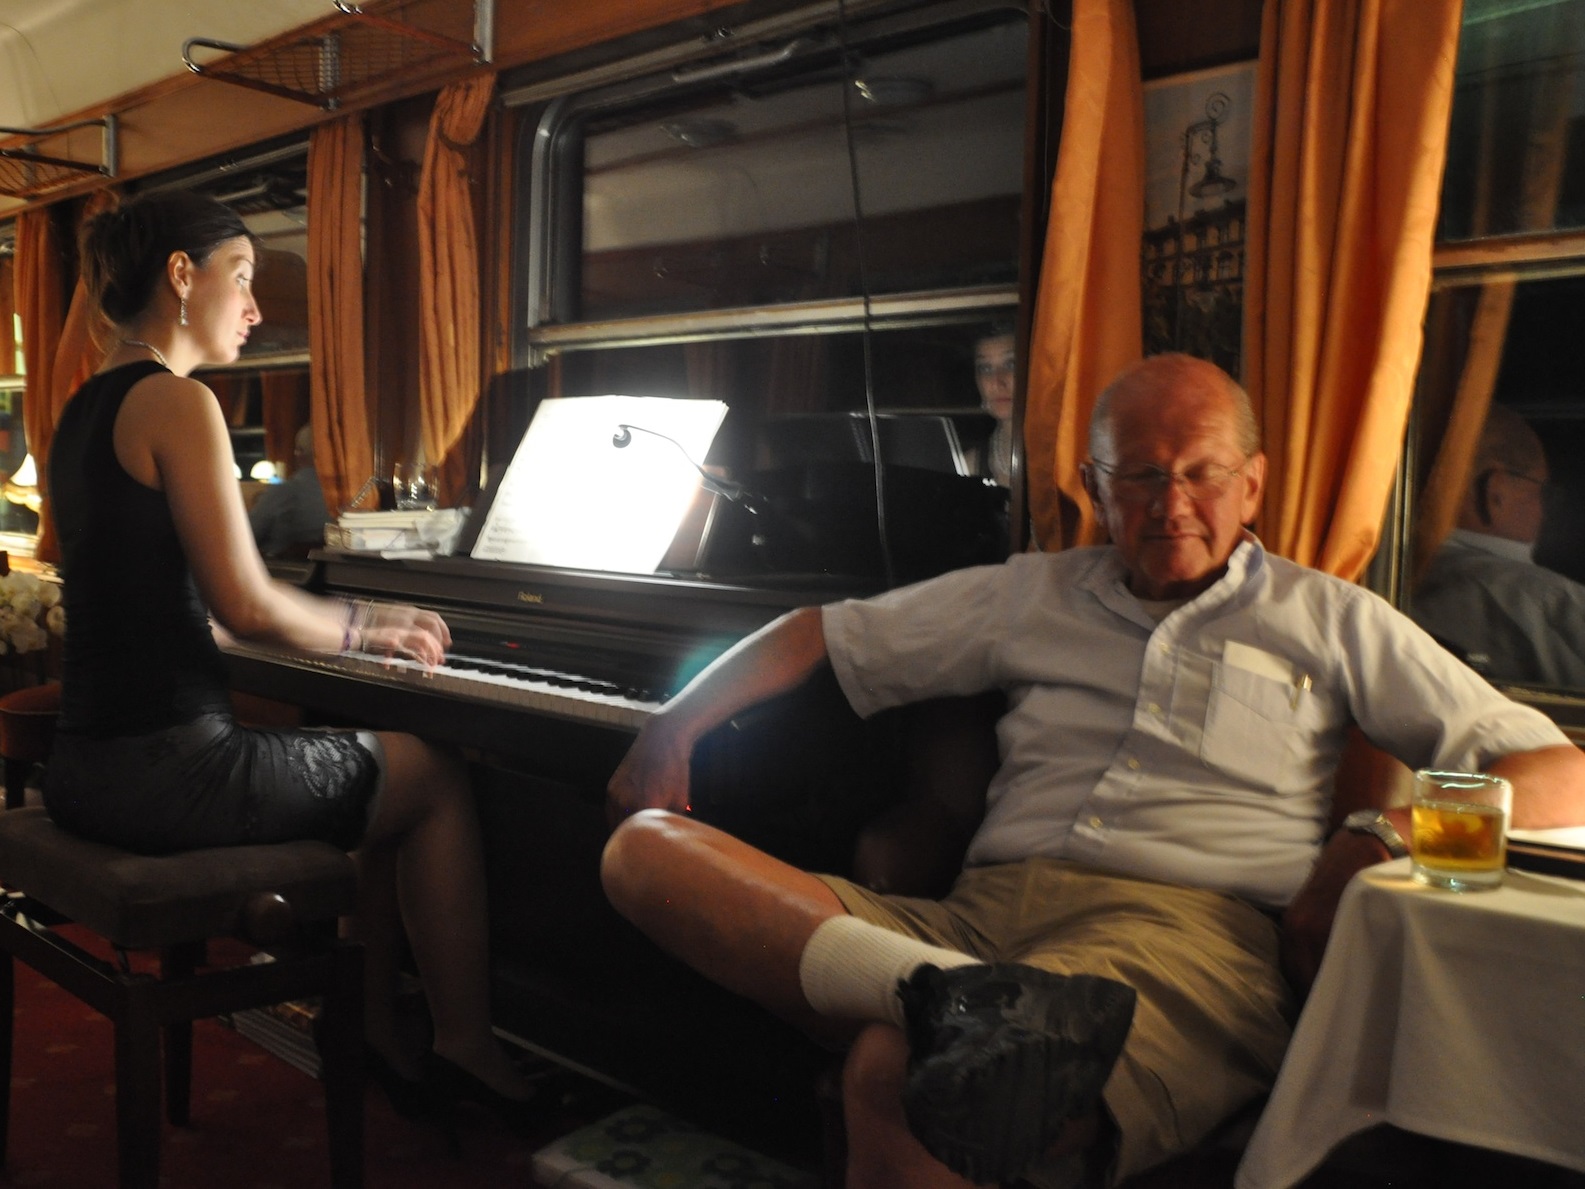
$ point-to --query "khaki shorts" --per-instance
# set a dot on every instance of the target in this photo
(1213, 1016)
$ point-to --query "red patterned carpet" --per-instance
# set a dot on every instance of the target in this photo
(257, 1122)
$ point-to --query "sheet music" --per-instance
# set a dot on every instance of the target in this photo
(1568, 837)
(571, 498)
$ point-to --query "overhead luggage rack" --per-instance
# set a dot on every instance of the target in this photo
(329, 67)
(27, 170)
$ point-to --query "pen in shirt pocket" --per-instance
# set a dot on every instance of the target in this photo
(1301, 686)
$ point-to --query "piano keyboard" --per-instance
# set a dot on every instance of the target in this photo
(566, 695)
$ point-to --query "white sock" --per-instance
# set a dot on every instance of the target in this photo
(851, 968)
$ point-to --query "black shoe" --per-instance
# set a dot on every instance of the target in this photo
(450, 1083)
(411, 1098)
(1002, 1056)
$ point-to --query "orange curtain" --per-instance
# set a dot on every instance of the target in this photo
(450, 363)
(342, 450)
(1352, 111)
(231, 394)
(84, 339)
(41, 303)
(285, 408)
(8, 345)
(1087, 322)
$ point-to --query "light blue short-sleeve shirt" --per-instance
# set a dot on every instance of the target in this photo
(1200, 750)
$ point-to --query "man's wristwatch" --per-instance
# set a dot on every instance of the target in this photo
(1377, 824)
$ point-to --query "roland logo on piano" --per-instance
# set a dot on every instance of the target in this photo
(528, 596)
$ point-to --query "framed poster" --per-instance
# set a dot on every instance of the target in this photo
(1197, 138)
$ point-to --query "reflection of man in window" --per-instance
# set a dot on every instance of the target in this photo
(1483, 596)
(288, 517)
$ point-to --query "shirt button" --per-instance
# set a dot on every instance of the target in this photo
(1133, 764)
(1153, 708)
(1096, 822)
(1164, 646)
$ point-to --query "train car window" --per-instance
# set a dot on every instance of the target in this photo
(18, 483)
(821, 232)
(1516, 152)
(1494, 565)
(742, 194)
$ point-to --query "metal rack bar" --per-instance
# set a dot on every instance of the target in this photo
(325, 69)
(25, 172)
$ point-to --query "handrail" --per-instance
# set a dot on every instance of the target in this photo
(699, 74)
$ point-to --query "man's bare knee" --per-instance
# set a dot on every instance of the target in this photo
(639, 854)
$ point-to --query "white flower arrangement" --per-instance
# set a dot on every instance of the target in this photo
(30, 612)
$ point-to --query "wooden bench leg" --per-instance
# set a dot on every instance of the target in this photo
(179, 962)
(16, 781)
(137, 1041)
(341, 1055)
(7, 1007)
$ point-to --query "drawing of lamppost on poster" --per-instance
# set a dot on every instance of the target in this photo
(1192, 258)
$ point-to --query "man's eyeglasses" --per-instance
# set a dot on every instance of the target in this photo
(1142, 484)
(1544, 486)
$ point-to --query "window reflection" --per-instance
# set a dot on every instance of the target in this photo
(1496, 561)
(1499, 554)
(818, 234)
(741, 194)
(798, 435)
(1516, 150)
(19, 507)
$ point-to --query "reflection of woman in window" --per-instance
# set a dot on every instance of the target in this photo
(155, 540)
(995, 373)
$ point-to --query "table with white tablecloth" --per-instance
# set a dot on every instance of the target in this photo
(1457, 1015)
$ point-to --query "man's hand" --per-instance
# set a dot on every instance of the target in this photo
(1307, 923)
(655, 772)
(653, 775)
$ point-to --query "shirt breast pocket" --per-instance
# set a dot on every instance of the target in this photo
(1254, 724)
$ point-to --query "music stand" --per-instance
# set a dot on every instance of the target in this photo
(571, 498)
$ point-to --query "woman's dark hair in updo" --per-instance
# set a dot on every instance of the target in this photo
(124, 251)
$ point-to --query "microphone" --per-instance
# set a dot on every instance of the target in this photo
(736, 492)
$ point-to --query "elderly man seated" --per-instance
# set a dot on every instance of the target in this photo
(1103, 983)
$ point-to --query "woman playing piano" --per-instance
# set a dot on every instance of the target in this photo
(155, 542)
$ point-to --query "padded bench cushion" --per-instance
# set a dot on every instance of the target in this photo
(27, 721)
(149, 902)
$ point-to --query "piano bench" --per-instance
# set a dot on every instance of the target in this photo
(27, 728)
(286, 897)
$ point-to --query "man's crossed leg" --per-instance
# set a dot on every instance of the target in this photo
(1004, 1060)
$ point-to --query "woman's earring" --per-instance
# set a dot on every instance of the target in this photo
(181, 318)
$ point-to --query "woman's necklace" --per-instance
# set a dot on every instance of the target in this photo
(149, 347)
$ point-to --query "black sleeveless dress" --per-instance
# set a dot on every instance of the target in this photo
(148, 755)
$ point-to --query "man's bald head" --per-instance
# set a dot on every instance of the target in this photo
(1506, 480)
(1508, 441)
(1157, 375)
